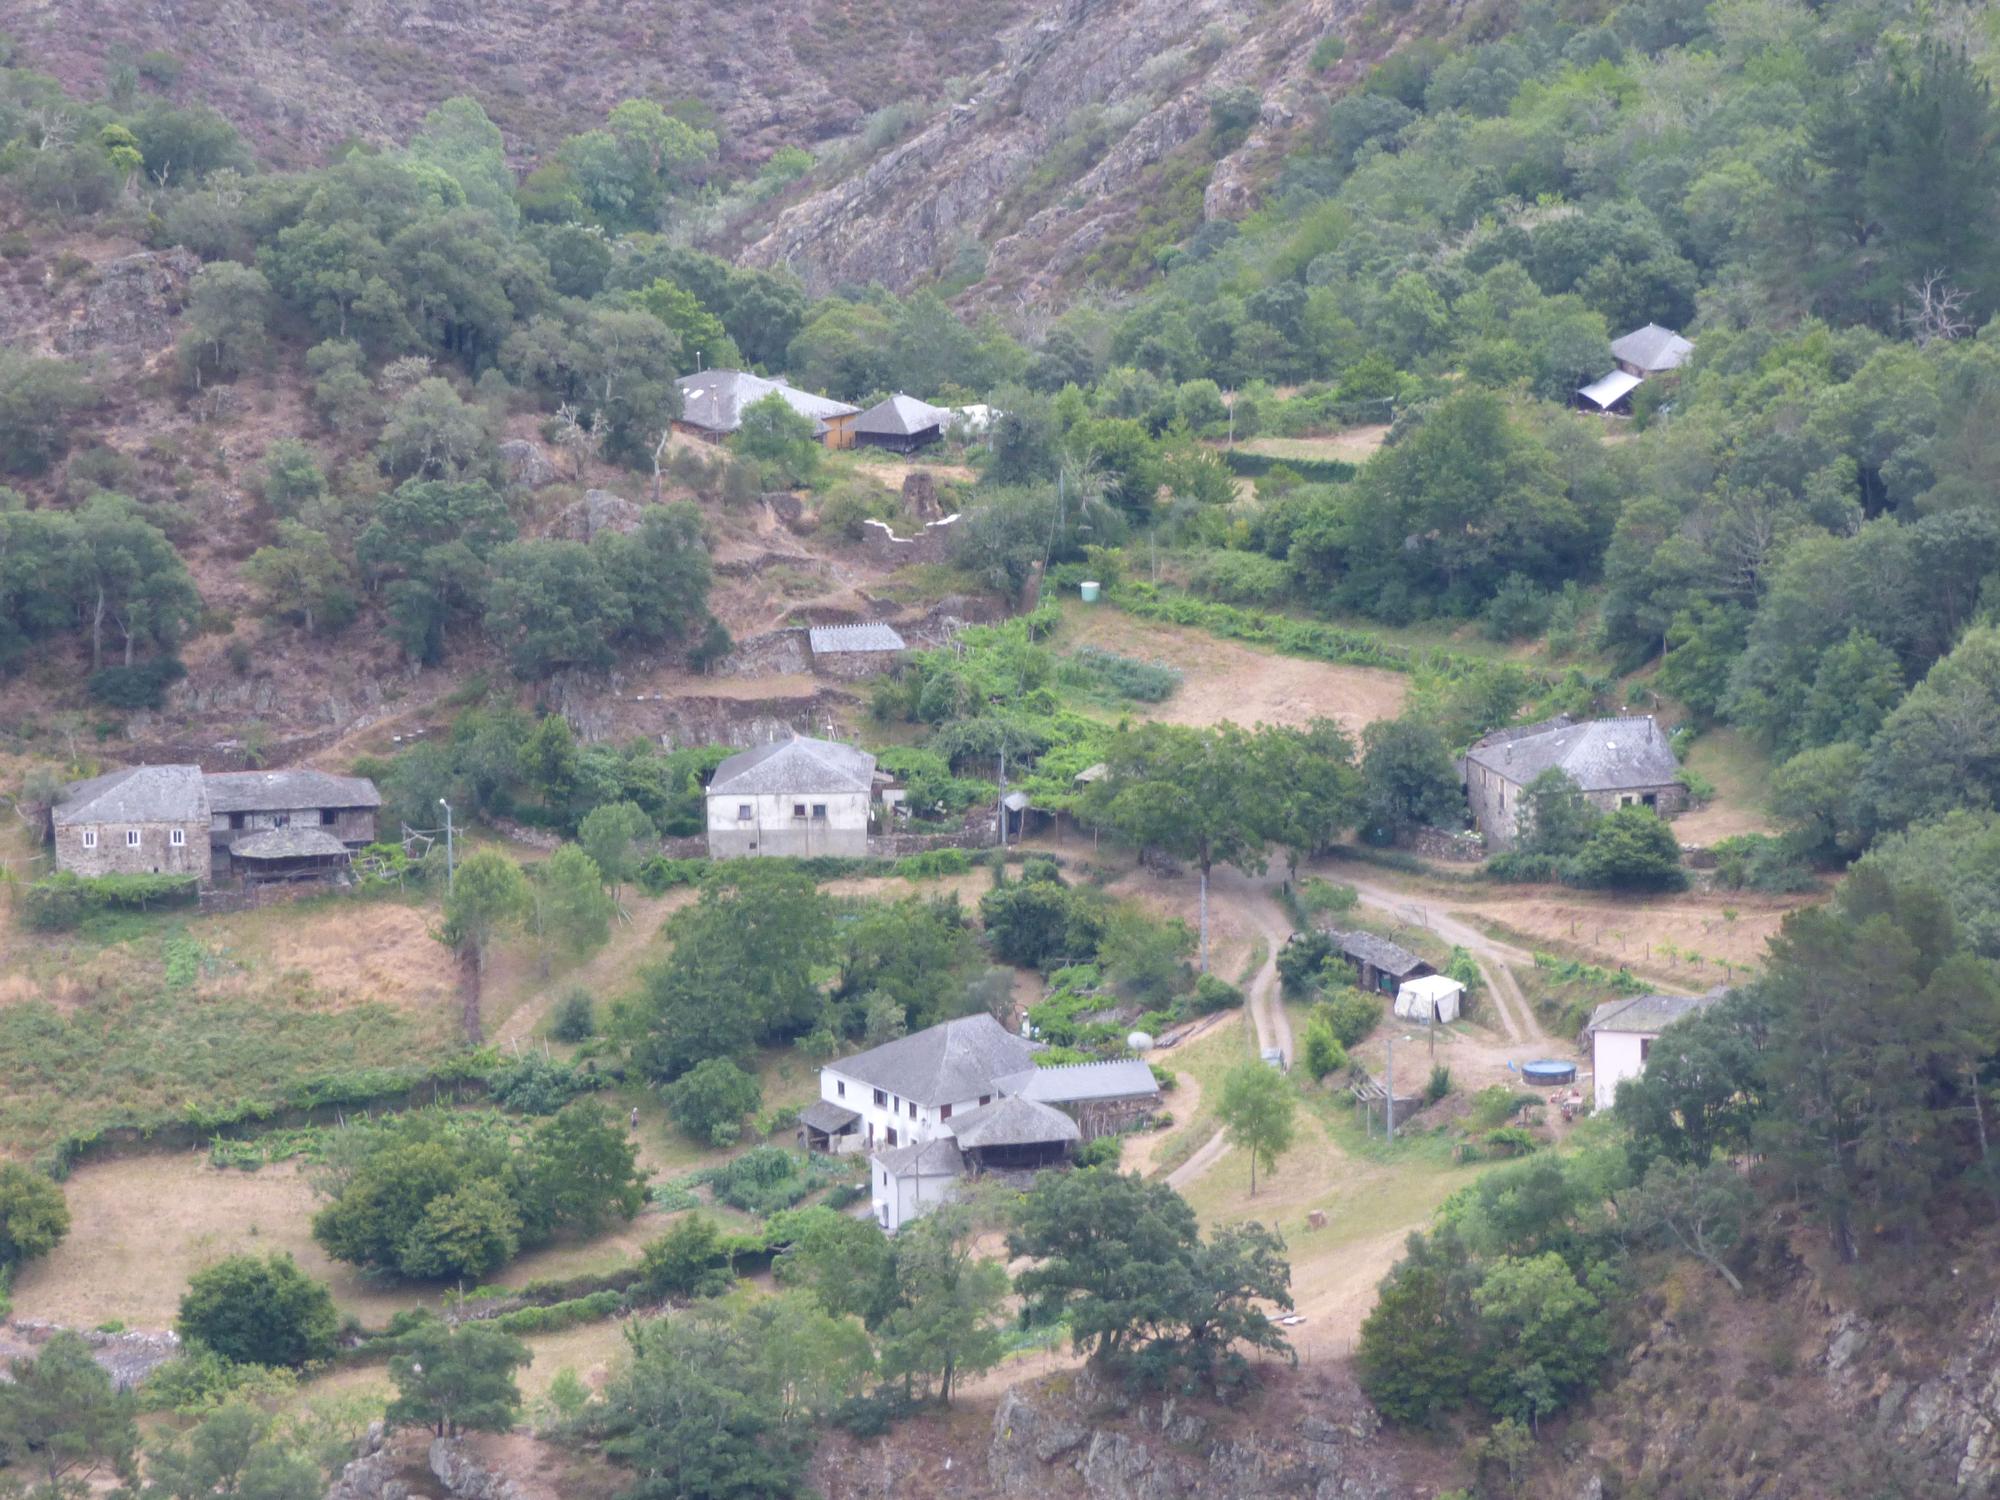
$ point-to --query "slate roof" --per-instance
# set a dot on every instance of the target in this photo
(1599, 755)
(798, 764)
(943, 1064)
(1390, 958)
(937, 1157)
(286, 843)
(1013, 1121)
(1652, 348)
(1607, 392)
(137, 794)
(715, 400)
(1074, 1083)
(825, 1115)
(1650, 1014)
(902, 416)
(872, 636)
(278, 791)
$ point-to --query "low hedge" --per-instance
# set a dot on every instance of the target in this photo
(62, 901)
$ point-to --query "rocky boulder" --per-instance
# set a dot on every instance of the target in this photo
(527, 464)
(464, 1478)
(597, 511)
(128, 305)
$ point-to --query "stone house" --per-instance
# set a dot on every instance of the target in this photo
(852, 652)
(175, 819)
(1618, 762)
(713, 403)
(143, 820)
(798, 797)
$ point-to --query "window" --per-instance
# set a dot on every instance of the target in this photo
(1651, 799)
(1645, 1047)
(840, 1090)
(236, 820)
(890, 1136)
(819, 812)
(798, 809)
(328, 817)
(90, 838)
(880, 1098)
(944, 1112)
(131, 838)
(281, 820)
(178, 837)
(745, 812)
(913, 1109)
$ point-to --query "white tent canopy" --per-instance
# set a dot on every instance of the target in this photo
(1432, 997)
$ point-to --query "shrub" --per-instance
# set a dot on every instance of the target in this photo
(1351, 1015)
(135, 687)
(34, 1216)
(710, 1100)
(934, 863)
(658, 875)
(1758, 862)
(63, 900)
(259, 1312)
(535, 1084)
(687, 1261)
(1631, 849)
(1213, 994)
(1301, 959)
(1509, 1140)
(1439, 1085)
(1241, 577)
(575, 1019)
(1102, 1152)
(1323, 1052)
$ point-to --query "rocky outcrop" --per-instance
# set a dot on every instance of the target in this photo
(464, 1478)
(127, 307)
(128, 1357)
(526, 463)
(597, 511)
(371, 1474)
(1146, 69)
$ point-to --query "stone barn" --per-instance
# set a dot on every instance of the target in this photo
(143, 820)
(1622, 762)
(851, 652)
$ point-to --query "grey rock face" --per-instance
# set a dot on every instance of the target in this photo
(527, 465)
(129, 307)
(464, 1478)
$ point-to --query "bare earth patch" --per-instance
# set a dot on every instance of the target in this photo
(1226, 682)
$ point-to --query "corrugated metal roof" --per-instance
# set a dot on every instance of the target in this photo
(799, 764)
(278, 791)
(943, 1064)
(136, 794)
(873, 635)
(1652, 348)
(1611, 389)
(1013, 1121)
(1599, 755)
(1075, 1083)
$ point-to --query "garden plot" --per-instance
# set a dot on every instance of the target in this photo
(1226, 682)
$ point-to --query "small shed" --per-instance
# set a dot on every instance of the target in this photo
(1431, 998)
(826, 1126)
(1378, 963)
(1611, 393)
(293, 853)
(853, 651)
(902, 424)
(910, 1180)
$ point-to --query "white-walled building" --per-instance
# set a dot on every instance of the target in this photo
(1622, 1033)
(959, 1098)
(798, 797)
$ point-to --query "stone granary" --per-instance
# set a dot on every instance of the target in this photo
(849, 652)
(177, 820)
(1622, 762)
(795, 797)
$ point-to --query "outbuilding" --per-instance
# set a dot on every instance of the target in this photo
(849, 652)
(1621, 1034)
(902, 424)
(1378, 963)
(908, 1180)
(1431, 998)
(799, 797)
(1651, 350)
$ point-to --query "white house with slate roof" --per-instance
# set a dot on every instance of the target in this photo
(961, 1098)
(1622, 762)
(1622, 1033)
(799, 797)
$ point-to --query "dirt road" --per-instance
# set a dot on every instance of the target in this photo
(1492, 955)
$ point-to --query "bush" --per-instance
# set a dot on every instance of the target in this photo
(687, 1261)
(141, 686)
(710, 1100)
(1240, 577)
(1758, 862)
(1631, 849)
(933, 864)
(1323, 1052)
(1212, 994)
(1301, 960)
(34, 1216)
(1439, 1085)
(658, 875)
(535, 1084)
(1102, 1152)
(1515, 866)
(1351, 1015)
(259, 1312)
(63, 900)
(575, 1019)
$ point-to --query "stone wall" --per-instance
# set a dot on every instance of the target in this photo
(854, 666)
(156, 853)
(975, 835)
(1454, 845)
(931, 545)
(775, 653)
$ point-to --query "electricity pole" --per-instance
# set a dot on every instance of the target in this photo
(450, 862)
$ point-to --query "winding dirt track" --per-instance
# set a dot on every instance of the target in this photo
(1492, 955)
